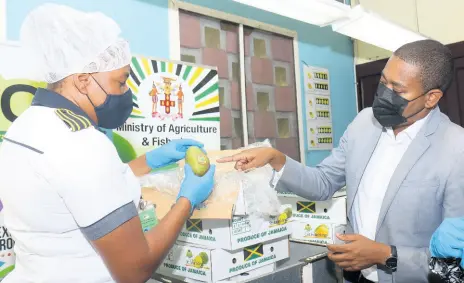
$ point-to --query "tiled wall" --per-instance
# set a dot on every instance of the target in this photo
(210, 42)
(317, 46)
(270, 82)
(270, 90)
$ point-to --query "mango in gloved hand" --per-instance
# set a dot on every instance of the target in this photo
(169, 153)
(195, 188)
(198, 160)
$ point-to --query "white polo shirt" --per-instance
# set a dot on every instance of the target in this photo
(63, 185)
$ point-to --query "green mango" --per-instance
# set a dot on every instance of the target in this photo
(198, 160)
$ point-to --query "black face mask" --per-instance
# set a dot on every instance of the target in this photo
(388, 107)
(116, 109)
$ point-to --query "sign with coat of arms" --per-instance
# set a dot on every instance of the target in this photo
(172, 100)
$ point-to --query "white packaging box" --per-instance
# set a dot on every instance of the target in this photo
(212, 265)
(316, 232)
(252, 274)
(339, 193)
(236, 233)
(243, 277)
(331, 211)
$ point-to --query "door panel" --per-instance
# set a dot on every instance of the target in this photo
(454, 96)
(368, 87)
(368, 77)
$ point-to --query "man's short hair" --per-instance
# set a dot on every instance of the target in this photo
(434, 60)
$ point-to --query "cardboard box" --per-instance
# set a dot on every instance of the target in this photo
(212, 265)
(339, 193)
(252, 274)
(331, 211)
(316, 232)
(239, 232)
(243, 277)
(168, 279)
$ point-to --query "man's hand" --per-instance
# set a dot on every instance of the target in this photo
(358, 253)
(255, 158)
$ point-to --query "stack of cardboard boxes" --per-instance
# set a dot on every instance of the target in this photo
(316, 222)
(212, 250)
(222, 242)
(243, 247)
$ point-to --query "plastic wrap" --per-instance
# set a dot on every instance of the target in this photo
(259, 198)
(446, 270)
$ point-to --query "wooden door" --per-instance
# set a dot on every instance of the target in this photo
(367, 79)
(452, 104)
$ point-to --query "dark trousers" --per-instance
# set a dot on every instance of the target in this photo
(355, 277)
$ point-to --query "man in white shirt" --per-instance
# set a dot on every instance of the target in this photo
(401, 162)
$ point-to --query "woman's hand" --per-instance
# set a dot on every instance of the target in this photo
(196, 189)
(169, 153)
(255, 158)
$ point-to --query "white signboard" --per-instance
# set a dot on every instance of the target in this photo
(171, 100)
(318, 108)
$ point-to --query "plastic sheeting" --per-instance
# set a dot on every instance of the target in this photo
(259, 197)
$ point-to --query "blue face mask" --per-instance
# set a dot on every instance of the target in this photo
(114, 112)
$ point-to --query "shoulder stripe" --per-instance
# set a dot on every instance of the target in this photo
(72, 120)
(82, 119)
(70, 123)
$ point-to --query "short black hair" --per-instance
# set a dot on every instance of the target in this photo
(56, 86)
(434, 60)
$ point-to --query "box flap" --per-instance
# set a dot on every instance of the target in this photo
(221, 208)
(184, 244)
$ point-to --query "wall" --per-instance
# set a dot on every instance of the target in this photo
(2, 20)
(145, 24)
(439, 20)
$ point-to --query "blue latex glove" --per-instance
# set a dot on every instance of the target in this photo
(448, 239)
(462, 259)
(197, 189)
(169, 153)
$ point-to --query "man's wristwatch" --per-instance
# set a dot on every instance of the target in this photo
(392, 261)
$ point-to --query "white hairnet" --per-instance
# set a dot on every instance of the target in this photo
(67, 41)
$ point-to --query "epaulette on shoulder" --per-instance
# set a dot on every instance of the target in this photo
(72, 120)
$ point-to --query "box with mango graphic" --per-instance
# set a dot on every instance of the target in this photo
(339, 193)
(241, 278)
(316, 222)
(212, 265)
(236, 233)
(316, 232)
(330, 211)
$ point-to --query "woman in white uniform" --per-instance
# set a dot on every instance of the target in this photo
(69, 201)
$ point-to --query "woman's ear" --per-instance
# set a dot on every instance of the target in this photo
(82, 81)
